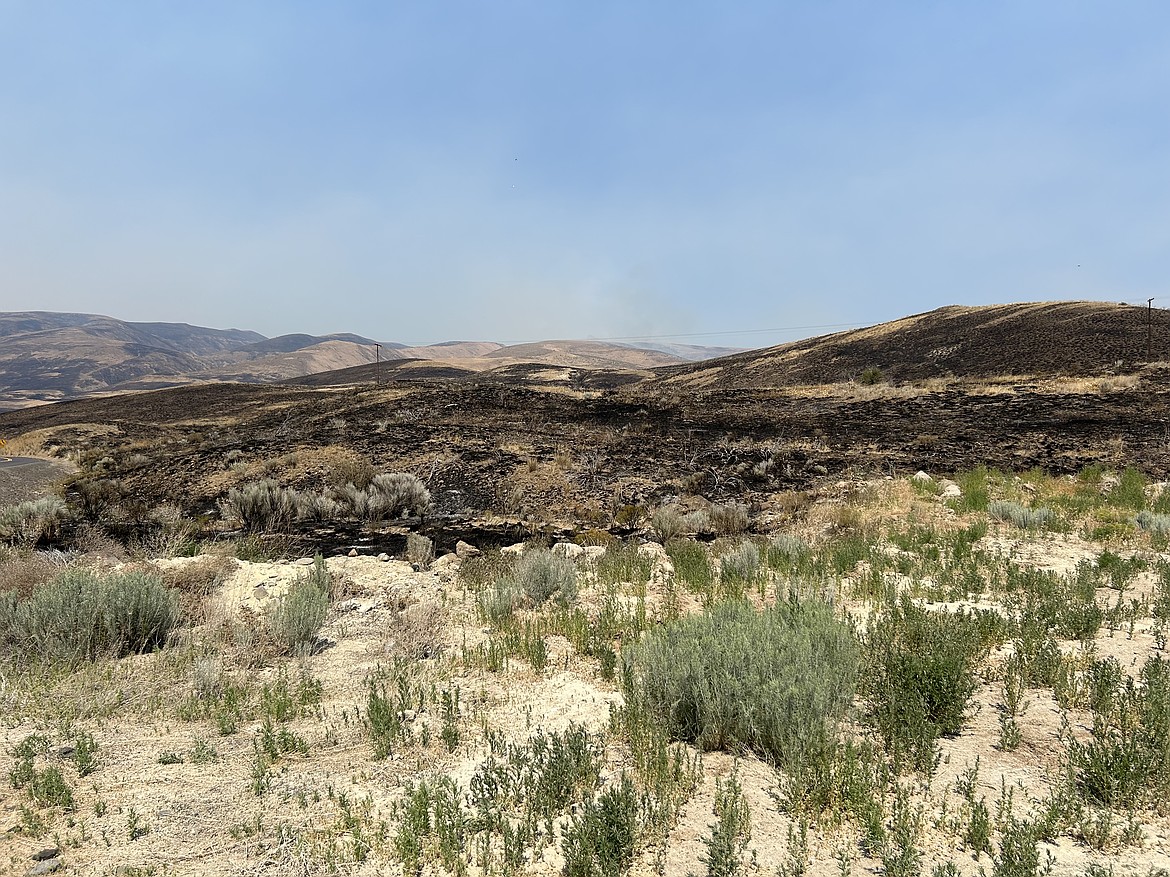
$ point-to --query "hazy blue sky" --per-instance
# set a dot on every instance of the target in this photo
(522, 170)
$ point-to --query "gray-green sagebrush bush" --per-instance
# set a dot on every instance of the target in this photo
(388, 495)
(298, 615)
(538, 576)
(266, 507)
(1020, 516)
(775, 681)
(82, 615)
(27, 523)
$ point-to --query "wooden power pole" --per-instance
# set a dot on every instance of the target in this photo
(1149, 326)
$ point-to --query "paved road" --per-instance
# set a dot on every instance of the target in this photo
(18, 462)
(24, 478)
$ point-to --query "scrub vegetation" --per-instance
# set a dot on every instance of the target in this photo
(901, 679)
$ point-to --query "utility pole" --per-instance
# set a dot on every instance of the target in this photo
(1149, 326)
(379, 351)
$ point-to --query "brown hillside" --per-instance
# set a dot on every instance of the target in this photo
(1038, 339)
(583, 354)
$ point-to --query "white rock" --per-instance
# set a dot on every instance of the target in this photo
(653, 550)
(464, 550)
(353, 552)
(383, 557)
(920, 476)
(568, 549)
(515, 550)
(447, 561)
(950, 490)
(303, 561)
(592, 552)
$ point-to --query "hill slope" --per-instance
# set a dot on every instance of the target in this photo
(1039, 338)
(49, 357)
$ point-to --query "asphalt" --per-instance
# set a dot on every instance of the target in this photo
(18, 462)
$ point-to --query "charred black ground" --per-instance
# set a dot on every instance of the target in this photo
(567, 449)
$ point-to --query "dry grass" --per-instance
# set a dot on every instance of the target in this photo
(196, 580)
(416, 632)
(22, 571)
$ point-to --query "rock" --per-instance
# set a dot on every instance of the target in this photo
(447, 561)
(921, 476)
(303, 561)
(950, 490)
(568, 549)
(261, 593)
(352, 552)
(592, 552)
(46, 853)
(48, 866)
(65, 752)
(384, 557)
(515, 550)
(653, 550)
(464, 550)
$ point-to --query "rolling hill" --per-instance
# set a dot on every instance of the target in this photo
(50, 357)
(1029, 339)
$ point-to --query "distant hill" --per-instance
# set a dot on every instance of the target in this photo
(689, 352)
(49, 357)
(1030, 339)
(583, 354)
(46, 356)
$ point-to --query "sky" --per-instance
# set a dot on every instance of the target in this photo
(715, 173)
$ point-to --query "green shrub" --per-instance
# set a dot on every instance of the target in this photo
(871, 376)
(731, 832)
(1129, 492)
(775, 681)
(298, 615)
(919, 676)
(1018, 854)
(623, 563)
(81, 615)
(692, 564)
(1048, 603)
(383, 721)
(599, 842)
(49, 789)
(975, 490)
(1126, 762)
